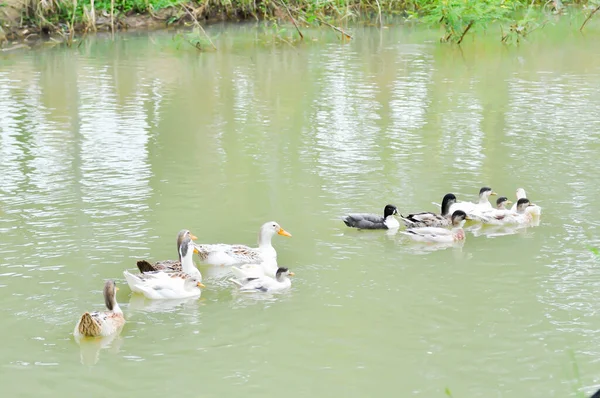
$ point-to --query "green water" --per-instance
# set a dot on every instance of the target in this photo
(107, 150)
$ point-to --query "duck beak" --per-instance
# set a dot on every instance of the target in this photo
(530, 204)
(283, 232)
(493, 193)
(193, 237)
(509, 202)
(468, 218)
(196, 250)
(199, 284)
(291, 274)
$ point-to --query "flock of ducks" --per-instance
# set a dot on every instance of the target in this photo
(447, 226)
(255, 269)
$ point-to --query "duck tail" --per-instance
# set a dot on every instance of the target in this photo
(407, 221)
(237, 272)
(203, 251)
(88, 326)
(236, 282)
(348, 221)
(133, 281)
(145, 266)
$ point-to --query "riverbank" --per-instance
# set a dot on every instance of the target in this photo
(61, 20)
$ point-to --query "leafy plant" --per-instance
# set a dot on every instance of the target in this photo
(458, 17)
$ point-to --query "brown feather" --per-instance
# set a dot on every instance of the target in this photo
(166, 265)
(145, 266)
(88, 326)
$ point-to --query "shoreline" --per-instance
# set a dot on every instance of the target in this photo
(15, 35)
(26, 24)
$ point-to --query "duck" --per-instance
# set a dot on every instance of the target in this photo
(440, 235)
(167, 265)
(504, 217)
(499, 211)
(159, 285)
(266, 283)
(502, 202)
(105, 323)
(535, 210)
(226, 255)
(373, 221)
(430, 219)
(246, 271)
(469, 207)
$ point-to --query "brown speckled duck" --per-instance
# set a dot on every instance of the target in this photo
(105, 323)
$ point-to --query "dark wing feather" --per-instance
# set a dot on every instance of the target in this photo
(425, 219)
(166, 265)
(364, 221)
(145, 266)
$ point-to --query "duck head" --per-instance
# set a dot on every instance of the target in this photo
(449, 200)
(390, 210)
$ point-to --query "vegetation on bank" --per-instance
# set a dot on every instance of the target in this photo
(456, 18)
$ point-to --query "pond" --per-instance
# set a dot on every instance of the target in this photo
(108, 149)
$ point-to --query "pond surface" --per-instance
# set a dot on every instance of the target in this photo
(109, 149)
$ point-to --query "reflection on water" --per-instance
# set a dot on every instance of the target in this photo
(89, 348)
(106, 151)
(139, 303)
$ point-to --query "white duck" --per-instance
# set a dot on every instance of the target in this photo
(535, 210)
(169, 285)
(440, 235)
(224, 254)
(266, 283)
(499, 212)
(105, 323)
(483, 204)
(245, 271)
(521, 216)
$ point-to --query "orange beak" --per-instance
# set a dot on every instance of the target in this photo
(291, 274)
(199, 284)
(196, 251)
(193, 237)
(283, 232)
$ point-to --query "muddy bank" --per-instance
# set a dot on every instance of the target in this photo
(17, 32)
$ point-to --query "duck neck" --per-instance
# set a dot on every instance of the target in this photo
(446, 207)
(264, 241)
(283, 279)
(458, 226)
(116, 309)
(187, 264)
(391, 222)
(459, 233)
(483, 199)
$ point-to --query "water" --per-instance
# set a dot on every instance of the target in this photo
(109, 149)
